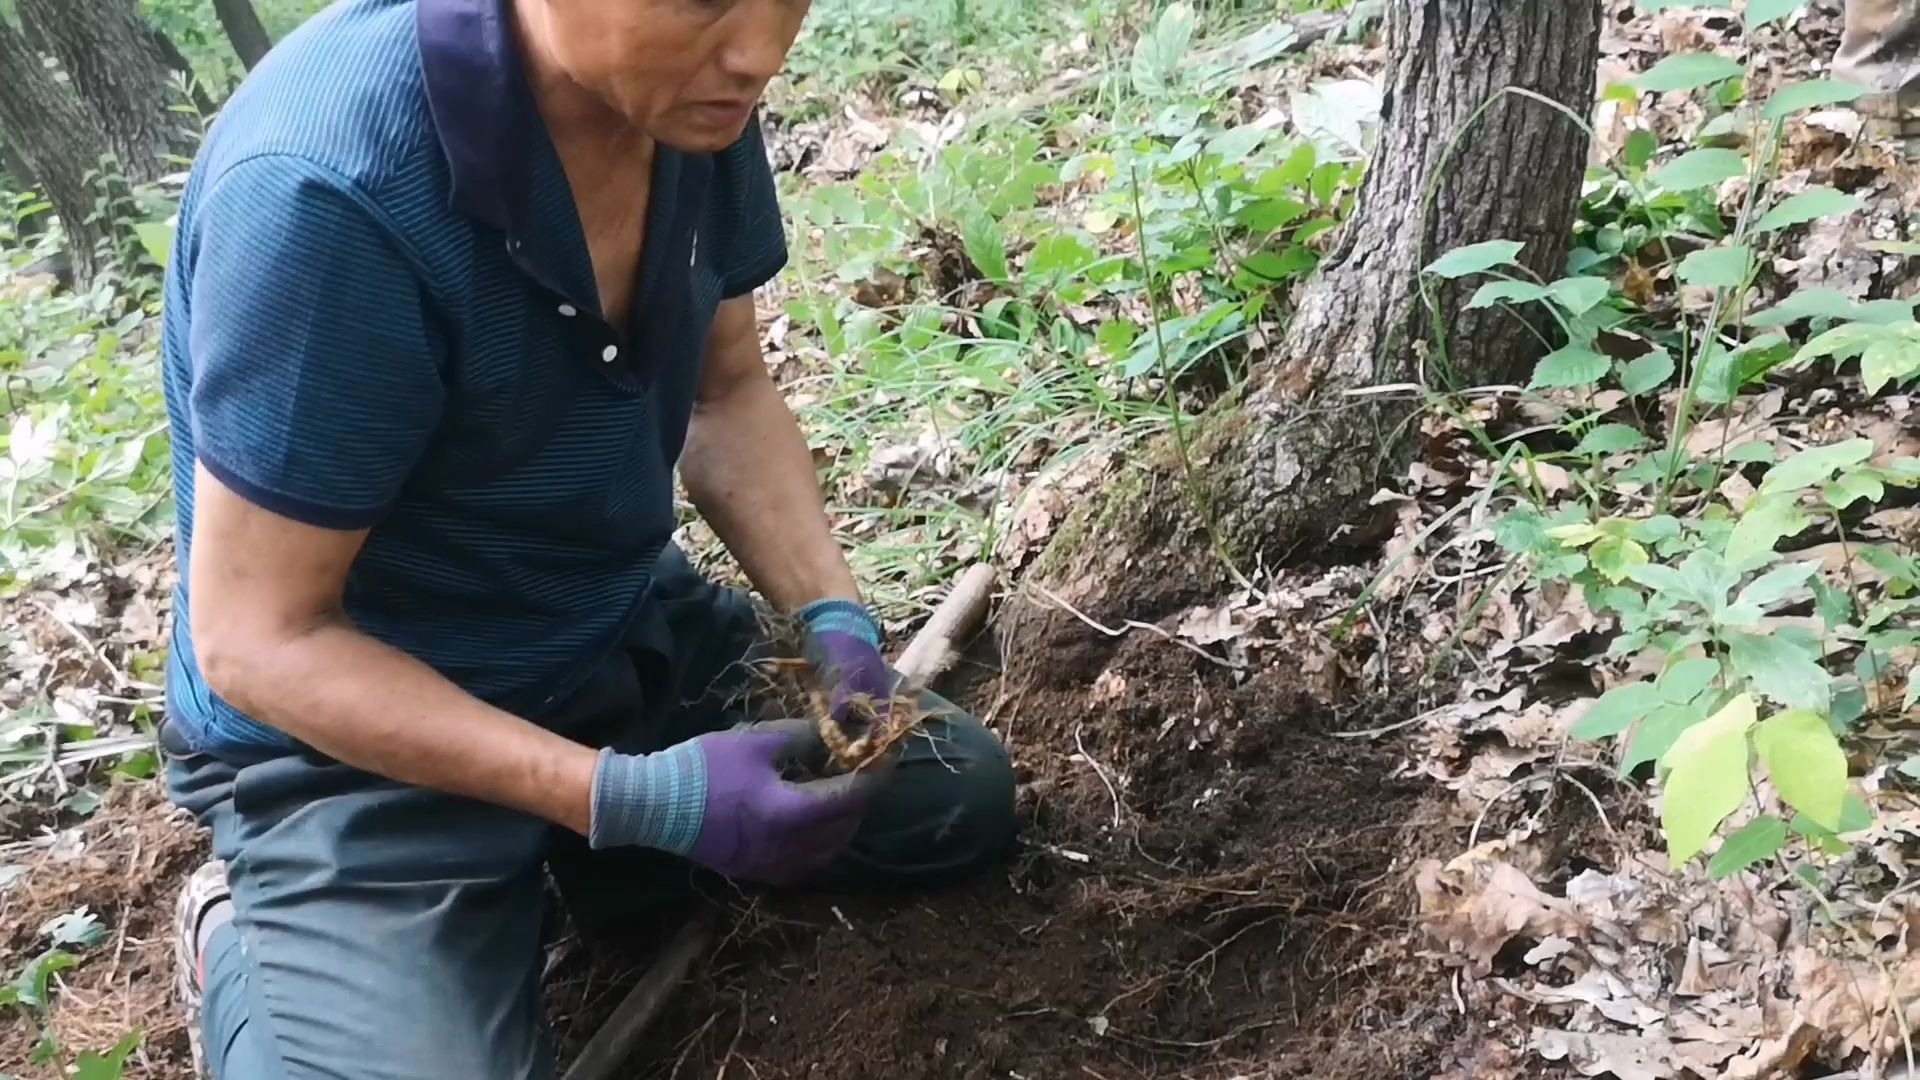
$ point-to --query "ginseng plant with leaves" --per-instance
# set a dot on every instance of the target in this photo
(1726, 550)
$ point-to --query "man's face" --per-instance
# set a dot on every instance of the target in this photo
(687, 72)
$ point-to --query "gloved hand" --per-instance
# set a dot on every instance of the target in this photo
(843, 641)
(720, 800)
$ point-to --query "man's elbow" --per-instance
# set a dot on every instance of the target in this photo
(239, 659)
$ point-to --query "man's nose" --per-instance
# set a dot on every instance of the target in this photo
(762, 32)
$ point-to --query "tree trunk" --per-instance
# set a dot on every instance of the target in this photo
(57, 144)
(121, 74)
(243, 28)
(1277, 473)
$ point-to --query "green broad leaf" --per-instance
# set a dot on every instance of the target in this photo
(1576, 535)
(1661, 579)
(1851, 487)
(1752, 453)
(1657, 528)
(1824, 302)
(1647, 373)
(1235, 145)
(1687, 71)
(110, 1065)
(1891, 359)
(1061, 254)
(1768, 519)
(1781, 669)
(1570, 366)
(1687, 680)
(1756, 841)
(1816, 465)
(1913, 690)
(1268, 215)
(1611, 439)
(1762, 12)
(987, 246)
(1579, 295)
(1640, 148)
(1843, 341)
(156, 239)
(34, 987)
(1616, 556)
(1717, 267)
(1700, 168)
(1157, 56)
(1809, 205)
(1834, 605)
(1855, 816)
(1805, 762)
(1657, 733)
(1616, 710)
(1507, 292)
(1813, 94)
(1889, 562)
(1116, 338)
(1706, 778)
(1476, 258)
(1724, 372)
(1776, 584)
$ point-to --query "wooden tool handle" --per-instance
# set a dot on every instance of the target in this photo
(935, 647)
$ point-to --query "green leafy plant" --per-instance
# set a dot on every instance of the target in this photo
(1693, 569)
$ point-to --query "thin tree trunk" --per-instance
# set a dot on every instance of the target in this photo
(121, 74)
(1279, 472)
(244, 29)
(56, 141)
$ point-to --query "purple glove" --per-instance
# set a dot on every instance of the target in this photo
(720, 800)
(844, 643)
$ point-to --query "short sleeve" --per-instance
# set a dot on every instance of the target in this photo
(315, 384)
(760, 245)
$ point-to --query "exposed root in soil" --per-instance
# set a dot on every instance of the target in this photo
(1209, 884)
(864, 735)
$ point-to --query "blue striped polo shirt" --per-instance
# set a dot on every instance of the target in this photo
(381, 313)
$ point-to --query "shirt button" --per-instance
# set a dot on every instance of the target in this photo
(569, 310)
(610, 353)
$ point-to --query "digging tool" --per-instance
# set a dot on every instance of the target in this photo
(930, 653)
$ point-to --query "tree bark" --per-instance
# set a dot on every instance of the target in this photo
(56, 142)
(1279, 471)
(244, 29)
(120, 73)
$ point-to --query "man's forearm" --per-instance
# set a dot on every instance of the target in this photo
(373, 707)
(751, 476)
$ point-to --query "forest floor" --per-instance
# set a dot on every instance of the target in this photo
(1329, 825)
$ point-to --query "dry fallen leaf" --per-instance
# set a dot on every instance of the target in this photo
(1474, 905)
(1627, 1057)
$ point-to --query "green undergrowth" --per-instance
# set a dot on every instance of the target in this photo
(1722, 545)
(992, 289)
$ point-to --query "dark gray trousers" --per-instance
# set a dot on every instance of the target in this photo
(388, 932)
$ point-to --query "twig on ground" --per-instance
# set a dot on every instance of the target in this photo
(1132, 624)
(1100, 771)
(692, 1041)
(93, 652)
(607, 1051)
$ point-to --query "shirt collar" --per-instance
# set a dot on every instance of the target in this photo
(482, 108)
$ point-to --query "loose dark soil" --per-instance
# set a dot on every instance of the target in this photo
(1249, 915)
